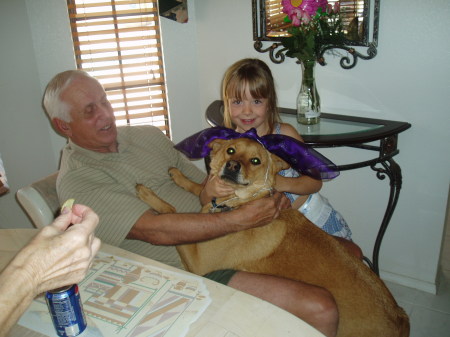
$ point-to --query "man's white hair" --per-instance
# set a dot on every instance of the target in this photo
(53, 105)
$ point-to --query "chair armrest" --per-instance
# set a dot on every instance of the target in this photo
(35, 206)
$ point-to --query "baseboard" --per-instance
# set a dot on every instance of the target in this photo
(410, 282)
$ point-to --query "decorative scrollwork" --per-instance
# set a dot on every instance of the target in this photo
(275, 56)
(380, 172)
(277, 53)
(346, 62)
(391, 169)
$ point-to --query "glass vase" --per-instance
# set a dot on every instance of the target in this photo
(308, 99)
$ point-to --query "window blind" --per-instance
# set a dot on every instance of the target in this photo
(118, 42)
(275, 18)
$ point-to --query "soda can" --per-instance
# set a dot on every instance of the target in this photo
(66, 309)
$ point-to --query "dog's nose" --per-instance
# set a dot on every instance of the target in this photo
(233, 166)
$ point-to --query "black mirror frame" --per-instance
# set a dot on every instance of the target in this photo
(276, 49)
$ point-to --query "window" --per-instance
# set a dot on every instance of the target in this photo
(275, 19)
(118, 42)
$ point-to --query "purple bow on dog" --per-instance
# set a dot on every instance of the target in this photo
(298, 155)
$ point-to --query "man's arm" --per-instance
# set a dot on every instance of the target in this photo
(182, 228)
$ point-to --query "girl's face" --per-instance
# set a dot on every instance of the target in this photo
(249, 113)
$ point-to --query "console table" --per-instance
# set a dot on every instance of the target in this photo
(338, 131)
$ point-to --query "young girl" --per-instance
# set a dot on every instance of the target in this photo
(250, 101)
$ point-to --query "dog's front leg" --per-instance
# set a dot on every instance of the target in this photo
(181, 180)
(155, 202)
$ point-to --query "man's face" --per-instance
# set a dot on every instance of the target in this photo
(93, 123)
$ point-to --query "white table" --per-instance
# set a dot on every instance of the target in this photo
(230, 314)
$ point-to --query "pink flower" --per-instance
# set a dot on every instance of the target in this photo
(290, 7)
(295, 17)
(311, 6)
(305, 17)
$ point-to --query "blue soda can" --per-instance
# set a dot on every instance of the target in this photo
(66, 309)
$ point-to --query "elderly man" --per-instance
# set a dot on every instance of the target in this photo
(101, 165)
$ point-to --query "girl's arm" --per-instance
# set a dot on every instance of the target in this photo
(302, 185)
(289, 130)
(214, 187)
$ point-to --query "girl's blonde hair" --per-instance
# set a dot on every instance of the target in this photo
(255, 75)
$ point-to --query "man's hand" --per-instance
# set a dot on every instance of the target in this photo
(262, 211)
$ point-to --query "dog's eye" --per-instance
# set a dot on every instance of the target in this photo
(230, 150)
(255, 161)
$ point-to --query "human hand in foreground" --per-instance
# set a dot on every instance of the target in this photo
(59, 255)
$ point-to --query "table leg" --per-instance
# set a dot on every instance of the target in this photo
(391, 169)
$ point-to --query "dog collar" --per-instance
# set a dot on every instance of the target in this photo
(222, 207)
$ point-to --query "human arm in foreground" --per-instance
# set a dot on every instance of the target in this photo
(57, 256)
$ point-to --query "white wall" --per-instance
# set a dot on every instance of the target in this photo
(407, 81)
(24, 133)
(181, 67)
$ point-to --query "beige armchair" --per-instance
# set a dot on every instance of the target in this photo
(40, 200)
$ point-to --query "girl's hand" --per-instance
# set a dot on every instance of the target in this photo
(215, 188)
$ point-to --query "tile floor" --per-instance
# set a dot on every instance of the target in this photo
(429, 314)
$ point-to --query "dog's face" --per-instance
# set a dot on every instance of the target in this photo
(244, 164)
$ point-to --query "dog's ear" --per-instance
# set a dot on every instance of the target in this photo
(216, 144)
(279, 163)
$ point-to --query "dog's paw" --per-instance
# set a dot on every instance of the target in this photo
(142, 191)
(145, 194)
(181, 180)
(149, 197)
(174, 172)
(176, 175)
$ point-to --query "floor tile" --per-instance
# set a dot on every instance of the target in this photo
(429, 323)
(429, 314)
(408, 307)
(439, 302)
(402, 293)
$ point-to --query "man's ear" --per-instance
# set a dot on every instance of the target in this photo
(62, 127)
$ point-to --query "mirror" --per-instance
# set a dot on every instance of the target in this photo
(359, 19)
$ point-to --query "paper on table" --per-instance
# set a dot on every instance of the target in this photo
(125, 298)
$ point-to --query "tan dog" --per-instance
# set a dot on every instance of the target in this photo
(290, 247)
